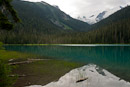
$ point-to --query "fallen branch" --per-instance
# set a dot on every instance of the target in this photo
(26, 62)
(81, 80)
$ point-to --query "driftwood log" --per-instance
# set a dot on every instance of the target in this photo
(81, 80)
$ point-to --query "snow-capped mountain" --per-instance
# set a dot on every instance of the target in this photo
(94, 18)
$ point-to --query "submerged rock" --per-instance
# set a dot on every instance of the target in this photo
(95, 78)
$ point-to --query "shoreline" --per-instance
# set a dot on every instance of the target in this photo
(65, 44)
(41, 72)
(43, 77)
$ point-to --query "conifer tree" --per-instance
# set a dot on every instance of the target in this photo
(6, 10)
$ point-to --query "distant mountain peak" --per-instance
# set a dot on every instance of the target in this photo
(100, 16)
(96, 17)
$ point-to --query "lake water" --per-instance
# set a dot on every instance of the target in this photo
(114, 58)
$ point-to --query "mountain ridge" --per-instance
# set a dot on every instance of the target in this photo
(51, 14)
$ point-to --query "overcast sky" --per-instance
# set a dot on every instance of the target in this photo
(85, 7)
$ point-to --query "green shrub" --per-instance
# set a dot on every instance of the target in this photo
(5, 79)
(1, 45)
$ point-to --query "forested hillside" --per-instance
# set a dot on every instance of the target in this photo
(40, 16)
(118, 32)
(114, 29)
(113, 33)
(36, 28)
(122, 14)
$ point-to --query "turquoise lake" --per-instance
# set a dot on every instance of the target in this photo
(114, 58)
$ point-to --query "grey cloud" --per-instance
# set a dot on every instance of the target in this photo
(90, 6)
(85, 7)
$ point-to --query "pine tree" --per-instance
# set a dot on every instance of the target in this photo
(7, 10)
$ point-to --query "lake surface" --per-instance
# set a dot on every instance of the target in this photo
(114, 58)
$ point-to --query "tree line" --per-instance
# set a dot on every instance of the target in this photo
(116, 32)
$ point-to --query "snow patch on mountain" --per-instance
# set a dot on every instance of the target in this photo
(88, 76)
(96, 17)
